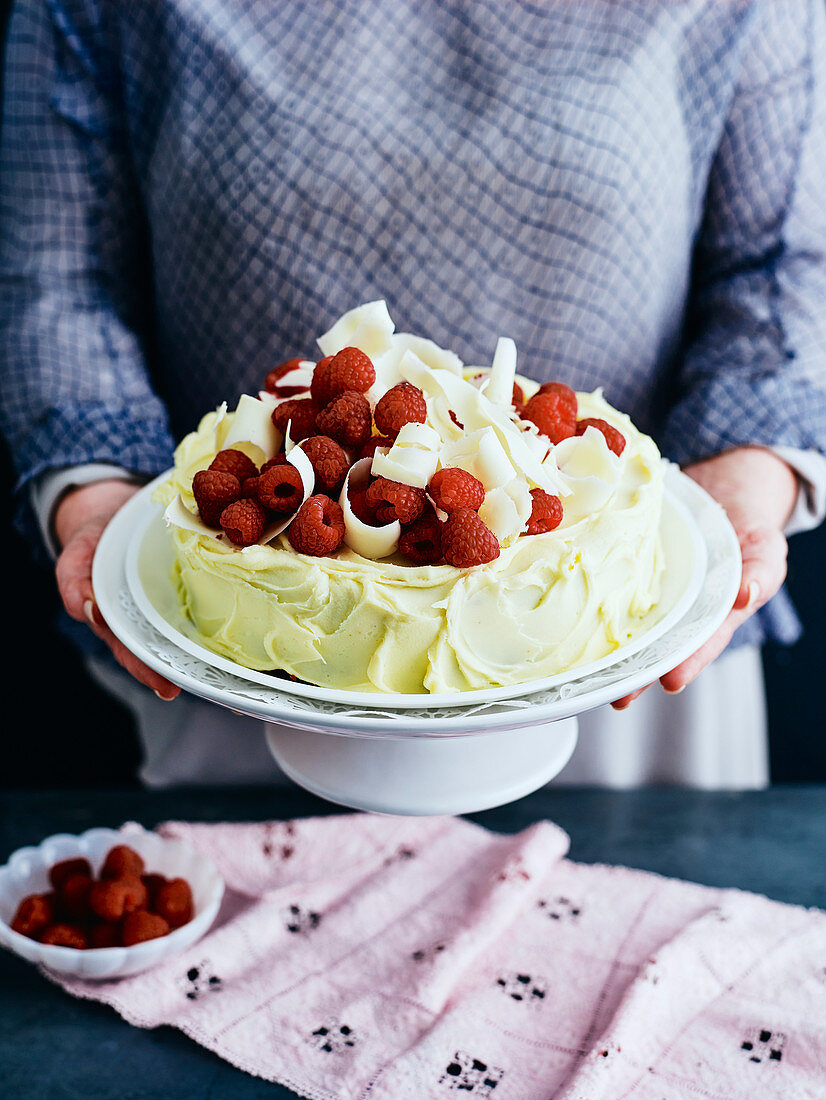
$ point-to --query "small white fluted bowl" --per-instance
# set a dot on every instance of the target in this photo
(27, 872)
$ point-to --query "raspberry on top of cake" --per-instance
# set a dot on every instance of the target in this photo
(498, 529)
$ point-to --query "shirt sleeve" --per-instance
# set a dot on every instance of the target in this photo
(809, 509)
(75, 293)
(754, 368)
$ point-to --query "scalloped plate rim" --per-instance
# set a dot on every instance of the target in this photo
(149, 518)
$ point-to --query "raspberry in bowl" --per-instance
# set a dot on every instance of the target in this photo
(106, 904)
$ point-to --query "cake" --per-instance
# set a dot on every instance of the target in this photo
(535, 552)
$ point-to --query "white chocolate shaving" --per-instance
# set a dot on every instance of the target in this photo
(519, 494)
(219, 426)
(482, 455)
(476, 412)
(387, 364)
(492, 461)
(539, 444)
(499, 389)
(590, 469)
(438, 414)
(414, 457)
(299, 459)
(498, 512)
(289, 443)
(409, 465)
(368, 327)
(370, 542)
(252, 423)
(418, 435)
(178, 515)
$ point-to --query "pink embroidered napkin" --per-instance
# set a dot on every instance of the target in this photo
(361, 957)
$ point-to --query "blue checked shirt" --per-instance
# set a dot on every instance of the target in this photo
(192, 190)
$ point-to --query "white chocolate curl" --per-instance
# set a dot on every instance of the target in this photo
(368, 327)
(477, 413)
(370, 542)
(506, 510)
(499, 389)
(590, 469)
(413, 458)
(252, 423)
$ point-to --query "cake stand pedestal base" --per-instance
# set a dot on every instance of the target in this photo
(424, 775)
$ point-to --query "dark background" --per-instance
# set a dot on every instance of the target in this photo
(62, 731)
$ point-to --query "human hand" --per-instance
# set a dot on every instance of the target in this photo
(757, 490)
(80, 520)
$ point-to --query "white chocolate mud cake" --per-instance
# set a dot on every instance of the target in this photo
(390, 520)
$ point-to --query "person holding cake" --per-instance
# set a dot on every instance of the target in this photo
(191, 193)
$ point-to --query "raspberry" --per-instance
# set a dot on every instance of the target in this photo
(394, 500)
(360, 506)
(348, 369)
(518, 399)
(453, 488)
(34, 913)
(153, 882)
(243, 522)
(174, 903)
(276, 460)
(552, 415)
(467, 541)
(546, 513)
(318, 528)
(59, 872)
(213, 491)
(318, 384)
(402, 404)
(328, 461)
(614, 438)
(249, 488)
(347, 419)
(370, 447)
(110, 899)
(73, 899)
(456, 420)
(234, 462)
(105, 935)
(122, 862)
(563, 392)
(280, 489)
(142, 926)
(301, 412)
(369, 451)
(65, 935)
(272, 381)
(422, 542)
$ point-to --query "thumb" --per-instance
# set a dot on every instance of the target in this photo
(74, 573)
(764, 552)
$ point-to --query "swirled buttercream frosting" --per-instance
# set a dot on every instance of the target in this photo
(364, 617)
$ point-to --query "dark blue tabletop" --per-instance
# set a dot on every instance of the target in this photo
(54, 1047)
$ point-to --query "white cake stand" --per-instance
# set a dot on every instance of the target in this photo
(420, 754)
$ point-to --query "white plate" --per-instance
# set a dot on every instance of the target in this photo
(700, 587)
(150, 557)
